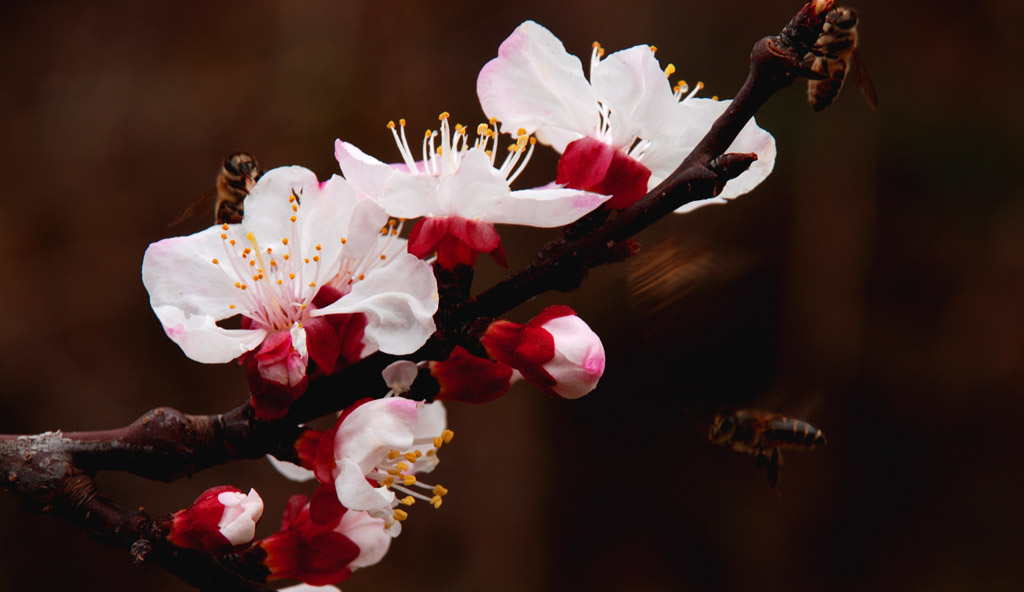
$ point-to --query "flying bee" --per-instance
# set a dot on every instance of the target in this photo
(834, 56)
(238, 174)
(763, 434)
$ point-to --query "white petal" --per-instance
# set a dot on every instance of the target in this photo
(267, 209)
(636, 90)
(368, 534)
(399, 300)
(291, 471)
(355, 493)
(332, 213)
(241, 513)
(544, 208)
(535, 84)
(411, 195)
(368, 433)
(400, 375)
(366, 174)
(432, 421)
(308, 588)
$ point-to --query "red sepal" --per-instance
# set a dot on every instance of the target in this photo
(465, 377)
(456, 240)
(592, 165)
(305, 551)
(305, 447)
(325, 508)
(195, 527)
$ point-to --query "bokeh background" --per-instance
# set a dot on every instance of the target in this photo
(873, 285)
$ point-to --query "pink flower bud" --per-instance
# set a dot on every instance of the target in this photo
(221, 518)
(556, 351)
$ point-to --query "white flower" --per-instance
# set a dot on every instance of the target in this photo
(628, 107)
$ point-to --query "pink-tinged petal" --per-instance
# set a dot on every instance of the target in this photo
(366, 434)
(280, 361)
(635, 89)
(475, 189)
(368, 534)
(291, 471)
(579, 357)
(479, 236)
(241, 513)
(327, 216)
(535, 84)
(355, 493)
(432, 421)
(202, 340)
(366, 174)
(399, 301)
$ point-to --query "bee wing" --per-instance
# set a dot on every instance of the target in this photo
(196, 207)
(863, 80)
(658, 277)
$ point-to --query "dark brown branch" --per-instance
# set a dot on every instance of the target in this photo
(53, 472)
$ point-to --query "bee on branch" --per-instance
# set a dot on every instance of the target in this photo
(834, 57)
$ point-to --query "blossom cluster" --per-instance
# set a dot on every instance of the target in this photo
(317, 276)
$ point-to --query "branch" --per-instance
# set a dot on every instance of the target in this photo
(53, 472)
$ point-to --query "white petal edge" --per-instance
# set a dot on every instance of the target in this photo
(291, 471)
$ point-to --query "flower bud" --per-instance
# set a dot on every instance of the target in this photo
(221, 518)
(556, 351)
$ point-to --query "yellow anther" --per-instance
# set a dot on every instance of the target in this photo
(247, 250)
(318, 247)
(284, 241)
(438, 441)
(447, 436)
(684, 85)
(428, 133)
(714, 98)
(279, 282)
(654, 49)
(306, 259)
(409, 480)
(215, 262)
(391, 125)
(401, 122)
(401, 515)
(522, 140)
(302, 307)
(316, 257)
(291, 276)
(269, 250)
(700, 85)
(231, 242)
(431, 452)
(223, 236)
(295, 207)
(533, 140)
(443, 116)
(440, 490)
(393, 454)
(312, 284)
(232, 306)
(252, 263)
(273, 263)
(388, 481)
(670, 70)
(436, 501)
(402, 466)
(286, 256)
(411, 456)
(383, 257)
(361, 276)
(243, 286)
(482, 129)
(224, 226)
(343, 241)
(238, 285)
(394, 472)
(256, 278)
(407, 500)
(293, 218)
(512, 147)
(291, 198)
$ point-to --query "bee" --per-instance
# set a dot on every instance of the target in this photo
(659, 276)
(763, 434)
(238, 174)
(833, 57)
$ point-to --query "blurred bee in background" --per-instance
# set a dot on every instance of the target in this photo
(833, 57)
(238, 174)
(660, 275)
(763, 434)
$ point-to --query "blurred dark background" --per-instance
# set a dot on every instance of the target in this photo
(873, 285)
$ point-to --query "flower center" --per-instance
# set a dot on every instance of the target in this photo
(442, 151)
(275, 284)
(395, 473)
(388, 246)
